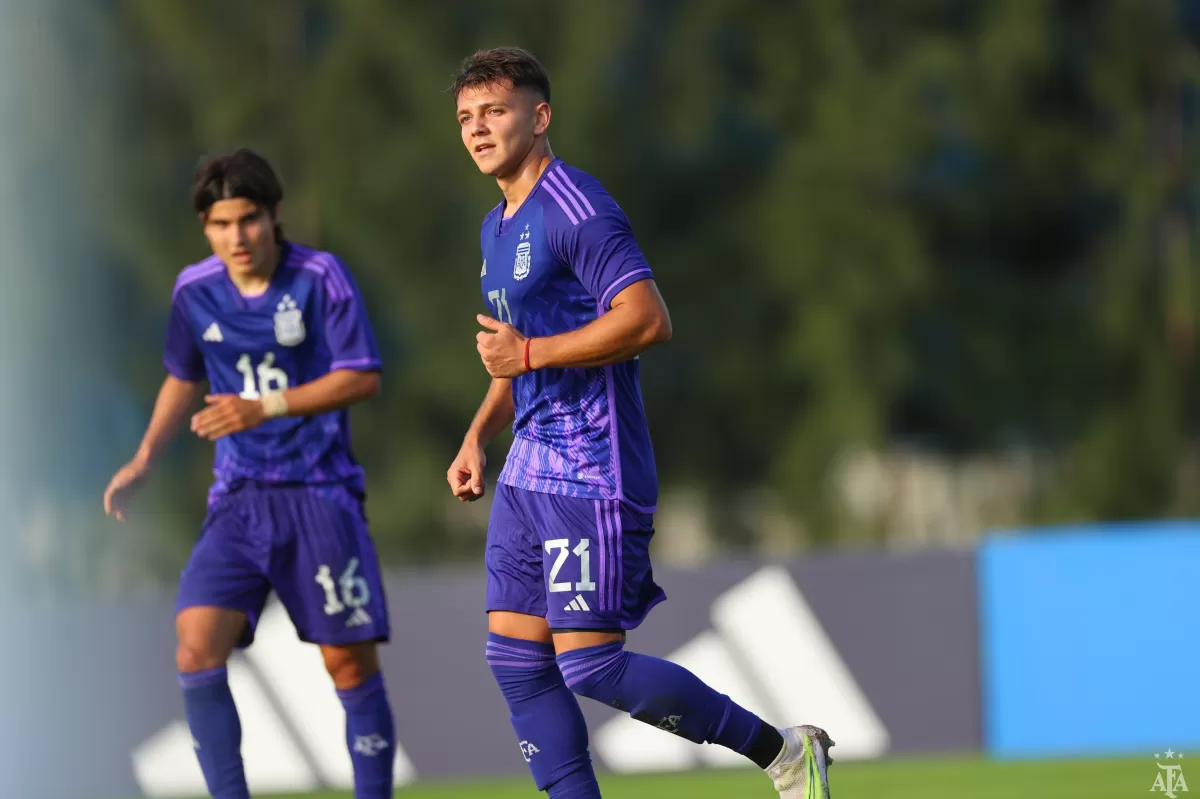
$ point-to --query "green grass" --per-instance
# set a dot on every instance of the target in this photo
(966, 778)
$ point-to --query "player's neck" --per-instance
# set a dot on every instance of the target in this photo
(256, 282)
(517, 186)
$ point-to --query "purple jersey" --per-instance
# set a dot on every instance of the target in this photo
(553, 267)
(310, 321)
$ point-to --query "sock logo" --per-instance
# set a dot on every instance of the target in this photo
(370, 745)
(528, 750)
(293, 726)
(767, 650)
(670, 724)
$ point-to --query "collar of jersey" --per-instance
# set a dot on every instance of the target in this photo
(537, 185)
(286, 251)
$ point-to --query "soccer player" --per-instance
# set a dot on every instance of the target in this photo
(573, 303)
(279, 332)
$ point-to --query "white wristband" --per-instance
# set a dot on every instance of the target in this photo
(274, 404)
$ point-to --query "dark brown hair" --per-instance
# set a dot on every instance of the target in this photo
(242, 173)
(502, 65)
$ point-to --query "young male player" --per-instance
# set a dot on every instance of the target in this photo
(280, 333)
(574, 303)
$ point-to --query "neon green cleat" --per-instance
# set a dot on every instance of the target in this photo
(799, 772)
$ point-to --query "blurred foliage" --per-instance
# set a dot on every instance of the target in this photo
(960, 226)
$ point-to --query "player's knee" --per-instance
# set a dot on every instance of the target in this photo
(351, 666)
(593, 670)
(190, 658)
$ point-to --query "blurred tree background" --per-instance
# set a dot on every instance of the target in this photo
(931, 264)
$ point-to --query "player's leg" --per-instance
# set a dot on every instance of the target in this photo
(601, 577)
(370, 729)
(326, 573)
(545, 715)
(221, 593)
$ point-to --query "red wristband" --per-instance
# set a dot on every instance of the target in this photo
(527, 369)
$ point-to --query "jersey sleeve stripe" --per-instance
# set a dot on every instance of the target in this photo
(195, 273)
(561, 186)
(356, 363)
(563, 176)
(561, 203)
(624, 280)
(339, 287)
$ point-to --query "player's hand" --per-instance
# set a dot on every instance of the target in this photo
(122, 486)
(502, 350)
(227, 414)
(465, 475)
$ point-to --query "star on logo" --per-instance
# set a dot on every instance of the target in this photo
(525, 234)
(1170, 754)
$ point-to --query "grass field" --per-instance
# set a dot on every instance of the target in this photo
(896, 779)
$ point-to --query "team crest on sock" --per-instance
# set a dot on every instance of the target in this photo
(528, 750)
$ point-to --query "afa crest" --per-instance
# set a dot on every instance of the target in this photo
(524, 260)
(289, 322)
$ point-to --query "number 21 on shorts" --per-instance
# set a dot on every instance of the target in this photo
(563, 547)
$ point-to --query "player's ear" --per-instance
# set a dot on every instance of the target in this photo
(541, 118)
(276, 225)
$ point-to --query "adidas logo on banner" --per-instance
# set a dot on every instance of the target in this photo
(293, 734)
(767, 650)
(577, 603)
(213, 333)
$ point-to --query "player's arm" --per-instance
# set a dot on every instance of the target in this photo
(635, 322)
(465, 475)
(230, 413)
(175, 400)
(339, 389)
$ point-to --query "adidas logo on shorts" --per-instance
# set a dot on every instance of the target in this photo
(577, 603)
(358, 618)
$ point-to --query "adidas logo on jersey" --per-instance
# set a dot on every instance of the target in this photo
(358, 618)
(213, 333)
(577, 603)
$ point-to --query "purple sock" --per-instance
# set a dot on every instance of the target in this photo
(661, 694)
(216, 732)
(546, 717)
(371, 736)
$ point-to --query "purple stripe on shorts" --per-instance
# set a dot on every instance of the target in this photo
(605, 541)
(618, 547)
(602, 545)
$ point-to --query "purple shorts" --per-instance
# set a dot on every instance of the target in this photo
(309, 544)
(579, 563)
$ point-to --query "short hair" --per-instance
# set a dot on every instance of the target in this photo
(502, 65)
(242, 173)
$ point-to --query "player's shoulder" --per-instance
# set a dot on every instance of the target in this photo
(572, 197)
(198, 274)
(326, 269)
